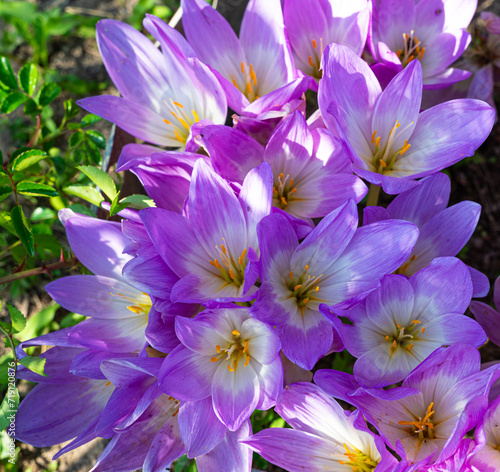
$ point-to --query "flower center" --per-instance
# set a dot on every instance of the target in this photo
(248, 85)
(283, 191)
(234, 351)
(358, 460)
(304, 288)
(140, 304)
(412, 49)
(423, 427)
(384, 157)
(232, 270)
(315, 59)
(181, 121)
(404, 336)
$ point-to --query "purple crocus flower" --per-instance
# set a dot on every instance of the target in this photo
(311, 172)
(427, 417)
(228, 356)
(256, 70)
(336, 263)
(442, 231)
(388, 140)
(401, 323)
(215, 249)
(313, 27)
(432, 32)
(118, 310)
(324, 437)
(488, 317)
(163, 93)
(487, 457)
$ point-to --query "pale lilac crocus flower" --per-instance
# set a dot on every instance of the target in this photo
(401, 323)
(314, 25)
(228, 356)
(257, 70)
(214, 249)
(433, 32)
(324, 438)
(487, 316)
(389, 141)
(162, 93)
(442, 231)
(426, 418)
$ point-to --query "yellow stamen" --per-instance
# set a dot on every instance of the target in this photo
(377, 142)
(178, 104)
(398, 326)
(245, 348)
(135, 309)
(311, 61)
(223, 248)
(291, 182)
(247, 360)
(405, 148)
(284, 201)
(108, 384)
(249, 87)
(383, 164)
(291, 274)
(297, 287)
(235, 332)
(316, 289)
(234, 83)
(178, 136)
(423, 330)
(253, 76)
(215, 263)
(242, 67)
(315, 44)
(373, 136)
(196, 117)
(230, 368)
(416, 322)
(386, 338)
(231, 274)
(214, 359)
(293, 191)
(394, 344)
(167, 122)
(410, 347)
(306, 266)
(217, 348)
(243, 254)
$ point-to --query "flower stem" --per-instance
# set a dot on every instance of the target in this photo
(373, 195)
(39, 270)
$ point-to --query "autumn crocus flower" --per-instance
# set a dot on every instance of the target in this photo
(256, 70)
(427, 417)
(162, 93)
(389, 142)
(229, 356)
(313, 26)
(401, 323)
(324, 437)
(337, 263)
(432, 32)
(214, 248)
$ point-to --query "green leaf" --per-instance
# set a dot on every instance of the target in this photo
(71, 109)
(82, 209)
(71, 320)
(31, 107)
(39, 322)
(88, 120)
(101, 179)
(48, 93)
(22, 229)
(36, 189)
(88, 193)
(5, 190)
(7, 76)
(18, 319)
(277, 423)
(35, 364)
(6, 326)
(76, 138)
(97, 138)
(8, 407)
(42, 214)
(13, 101)
(138, 202)
(28, 78)
(25, 157)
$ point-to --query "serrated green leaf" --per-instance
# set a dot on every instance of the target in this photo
(25, 157)
(22, 229)
(101, 179)
(48, 93)
(6, 327)
(35, 364)
(18, 319)
(76, 138)
(116, 206)
(138, 202)
(88, 120)
(88, 193)
(97, 138)
(36, 189)
(12, 102)
(5, 190)
(28, 78)
(7, 76)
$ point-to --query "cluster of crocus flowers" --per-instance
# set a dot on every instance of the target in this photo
(253, 266)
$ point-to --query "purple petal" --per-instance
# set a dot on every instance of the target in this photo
(230, 455)
(271, 382)
(488, 318)
(480, 283)
(235, 394)
(199, 427)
